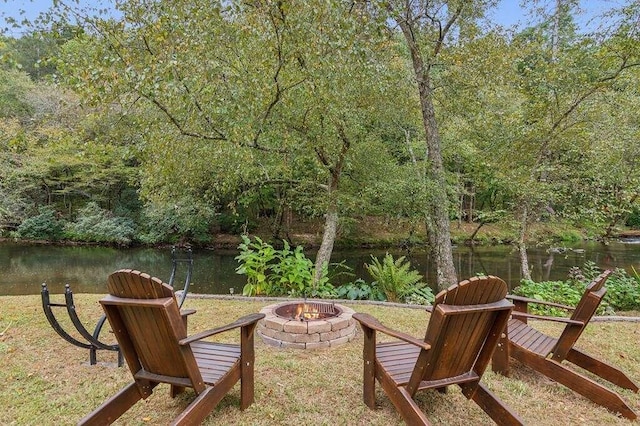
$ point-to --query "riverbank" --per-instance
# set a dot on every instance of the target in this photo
(49, 381)
(377, 232)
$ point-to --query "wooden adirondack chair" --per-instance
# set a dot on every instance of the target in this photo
(546, 354)
(466, 322)
(152, 334)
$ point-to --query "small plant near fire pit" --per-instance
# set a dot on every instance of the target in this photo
(397, 280)
(273, 272)
(255, 262)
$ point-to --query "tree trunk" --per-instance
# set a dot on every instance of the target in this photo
(522, 246)
(438, 224)
(331, 219)
(328, 239)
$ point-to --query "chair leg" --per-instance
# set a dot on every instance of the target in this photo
(369, 371)
(207, 400)
(200, 407)
(500, 359)
(494, 407)
(408, 409)
(602, 369)
(176, 390)
(247, 361)
(580, 384)
(114, 407)
(404, 403)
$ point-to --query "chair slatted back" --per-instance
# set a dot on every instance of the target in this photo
(583, 312)
(144, 315)
(465, 324)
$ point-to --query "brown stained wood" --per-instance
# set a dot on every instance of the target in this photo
(547, 354)
(369, 370)
(114, 407)
(467, 321)
(602, 369)
(152, 334)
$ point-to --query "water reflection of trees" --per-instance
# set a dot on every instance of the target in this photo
(86, 269)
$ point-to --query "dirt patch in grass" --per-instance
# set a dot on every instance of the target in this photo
(47, 381)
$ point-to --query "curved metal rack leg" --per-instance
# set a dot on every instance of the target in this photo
(175, 260)
(93, 343)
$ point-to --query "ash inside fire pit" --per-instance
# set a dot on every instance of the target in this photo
(306, 325)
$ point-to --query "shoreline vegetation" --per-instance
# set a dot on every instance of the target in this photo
(50, 382)
(375, 232)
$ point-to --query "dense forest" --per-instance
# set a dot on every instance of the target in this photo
(176, 120)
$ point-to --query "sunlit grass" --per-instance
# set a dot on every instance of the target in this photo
(47, 381)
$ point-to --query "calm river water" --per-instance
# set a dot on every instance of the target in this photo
(25, 267)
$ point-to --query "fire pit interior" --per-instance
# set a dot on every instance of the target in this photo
(306, 325)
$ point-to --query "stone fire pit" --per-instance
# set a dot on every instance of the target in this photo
(306, 325)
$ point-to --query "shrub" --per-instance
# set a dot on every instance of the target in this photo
(293, 271)
(633, 220)
(394, 278)
(285, 272)
(360, 290)
(421, 296)
(178, 221)
(563, 292)
(623, 290)
(44, 226)
(255, 262)
(96, 224)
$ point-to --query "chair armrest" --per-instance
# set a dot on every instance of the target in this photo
(240, 322)
(187, 312)
(539, 302)
(370, 322)
(517, 314)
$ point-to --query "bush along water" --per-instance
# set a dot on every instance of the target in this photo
(285, 272)
(288, 272)
(623, 291)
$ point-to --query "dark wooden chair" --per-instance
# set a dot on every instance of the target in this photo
(152, 333)
(466, 323)
(546, 354)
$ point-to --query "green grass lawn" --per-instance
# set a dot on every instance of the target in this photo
(46, 381)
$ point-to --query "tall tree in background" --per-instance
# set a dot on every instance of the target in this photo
(538, 114)
(428, 27)
(243, 94)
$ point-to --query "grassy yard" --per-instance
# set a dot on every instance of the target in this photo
(46, 381)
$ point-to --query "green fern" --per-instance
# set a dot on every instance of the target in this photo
(394, 277)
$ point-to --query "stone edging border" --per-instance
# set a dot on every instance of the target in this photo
(611, 318)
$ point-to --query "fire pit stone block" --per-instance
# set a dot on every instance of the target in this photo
(275, 323)
(297, 327)
(307, 338)
(308, 334)
(318, 326)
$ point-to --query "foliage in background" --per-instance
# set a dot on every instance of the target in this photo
(623, 291)
(177, 221)
(98, 225)
(44, 226)
(271, 83)
(395, 278)
(563, 292)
